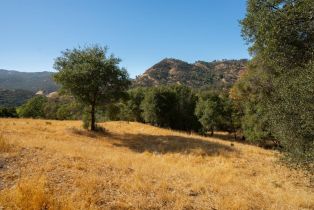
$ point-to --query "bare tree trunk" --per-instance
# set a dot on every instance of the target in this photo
(93, 120)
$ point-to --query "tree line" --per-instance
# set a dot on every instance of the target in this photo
(177, 107)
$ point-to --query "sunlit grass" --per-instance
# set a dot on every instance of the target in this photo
(137, 166)
(4, 145)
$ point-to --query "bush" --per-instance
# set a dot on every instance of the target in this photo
(170, 106)
(159, 107)
(33, 108)
(185, 113)
(247, 95)
(8, 112)
(132, 110)
(62, 107)
(209, 110)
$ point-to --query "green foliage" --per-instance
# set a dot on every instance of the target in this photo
(280, 31)
(248, 97)
(91, 77)
(62, 107)
(8, 112)
(281, 35)
(26, 83)
(86, 120)
(132, 110)
(255, 124)
(58, 107)
(231, 116)
(168, 106)
(209, 111)
(185, 109)
(174, 107)
(113, 111)
(159, 107)
(14, 98)
(291, 105)
(33, 108)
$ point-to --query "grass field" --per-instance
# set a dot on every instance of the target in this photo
(57, 165)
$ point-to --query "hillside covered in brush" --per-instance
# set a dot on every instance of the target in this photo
(13, 98)
(217, 74)
(31, 81)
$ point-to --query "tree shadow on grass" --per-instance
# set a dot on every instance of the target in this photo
(87, 133)
(160, 144)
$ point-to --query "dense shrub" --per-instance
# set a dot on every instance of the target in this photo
(185, 113)
(170, 106)
(8, 112)
(62, 107)
(131, 109)
(210, 111)
(159, 106)
(248, 98)
(33, 108)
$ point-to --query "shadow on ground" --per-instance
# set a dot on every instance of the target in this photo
(88, 133)
(161, 144)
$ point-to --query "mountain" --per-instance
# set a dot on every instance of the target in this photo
(31, 81)
(13, 98)
(217, 74)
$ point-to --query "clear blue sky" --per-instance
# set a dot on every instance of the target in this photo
(140, 32)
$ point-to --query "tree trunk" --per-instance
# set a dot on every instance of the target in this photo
(212, 132)
(235, 133)
(93, 120)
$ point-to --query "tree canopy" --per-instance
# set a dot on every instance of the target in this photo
(91, 76)
(281, 38)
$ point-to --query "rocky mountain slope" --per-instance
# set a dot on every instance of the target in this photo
(217, 74)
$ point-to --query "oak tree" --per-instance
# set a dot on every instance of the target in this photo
(91, 76)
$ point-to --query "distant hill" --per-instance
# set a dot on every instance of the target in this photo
(13, 98)
(217, 74)
(31, 81)
(16, 87)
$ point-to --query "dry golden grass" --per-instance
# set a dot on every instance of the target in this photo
(32, 194)
(57, 165)
(4, 145)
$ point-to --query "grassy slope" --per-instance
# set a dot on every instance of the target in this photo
(57, 165)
